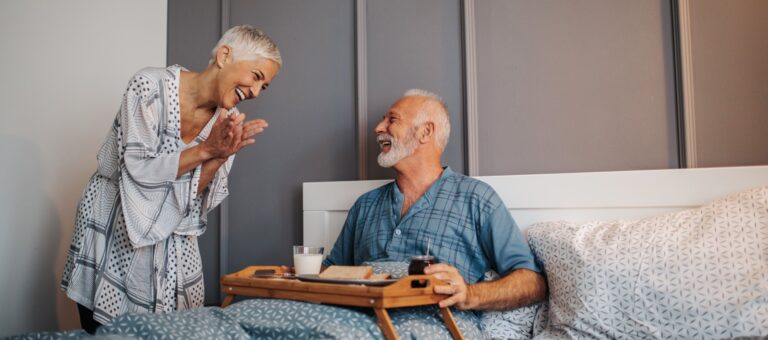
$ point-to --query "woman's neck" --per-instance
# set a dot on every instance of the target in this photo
(196, 90)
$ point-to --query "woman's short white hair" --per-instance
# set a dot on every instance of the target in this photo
(248, 43)
(441, 116)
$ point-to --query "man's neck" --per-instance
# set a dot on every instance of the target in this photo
(415, 179)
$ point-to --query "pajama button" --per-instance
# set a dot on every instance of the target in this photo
(398, 232)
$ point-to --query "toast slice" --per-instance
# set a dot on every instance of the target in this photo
(379, 277)
(347, 272)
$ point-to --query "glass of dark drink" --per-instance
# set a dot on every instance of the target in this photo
(419, 262)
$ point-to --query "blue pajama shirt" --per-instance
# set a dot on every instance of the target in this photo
(464, 219)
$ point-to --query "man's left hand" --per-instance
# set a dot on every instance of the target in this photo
(457, 288)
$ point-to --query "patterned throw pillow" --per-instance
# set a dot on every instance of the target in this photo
(698, 273)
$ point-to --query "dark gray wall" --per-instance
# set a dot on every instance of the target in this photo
(414, 44)
(574, 86)
(310, 107)
(193, 29)
(730, 73)
(562, 87)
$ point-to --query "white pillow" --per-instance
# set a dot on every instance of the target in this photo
(698, 273)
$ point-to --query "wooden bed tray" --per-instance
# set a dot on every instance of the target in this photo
(398, 294)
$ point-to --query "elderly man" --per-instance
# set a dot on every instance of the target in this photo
(467, 224)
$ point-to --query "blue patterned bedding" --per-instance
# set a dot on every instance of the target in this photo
(277, 319)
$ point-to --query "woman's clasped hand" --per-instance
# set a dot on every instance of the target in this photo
(231, 133)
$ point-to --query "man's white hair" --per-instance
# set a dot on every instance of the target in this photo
(441, 118)
(248, 43)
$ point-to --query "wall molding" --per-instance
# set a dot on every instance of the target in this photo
(677, 74)
(361, 78)
(224, 206)
(686, 63)
(470, 87)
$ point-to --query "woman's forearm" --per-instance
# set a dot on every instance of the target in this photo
(191, 158)
(209, 171)
(196, 155)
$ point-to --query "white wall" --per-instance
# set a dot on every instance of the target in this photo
(63, 68)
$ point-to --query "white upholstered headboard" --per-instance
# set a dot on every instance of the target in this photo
(548, 197)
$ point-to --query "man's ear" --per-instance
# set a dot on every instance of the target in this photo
(427, 132)
(223, 55)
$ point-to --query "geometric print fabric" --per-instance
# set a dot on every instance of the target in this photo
(276, 319)
(514, 324)
(700, 273)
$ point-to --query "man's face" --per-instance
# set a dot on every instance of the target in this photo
(396, 133)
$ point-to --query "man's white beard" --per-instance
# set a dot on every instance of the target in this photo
(398, 150)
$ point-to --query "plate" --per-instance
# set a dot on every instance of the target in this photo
(317, 278)
(272, 275)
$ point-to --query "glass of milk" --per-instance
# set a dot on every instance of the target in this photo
(307, 260)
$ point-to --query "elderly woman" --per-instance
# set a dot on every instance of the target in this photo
(161, 169)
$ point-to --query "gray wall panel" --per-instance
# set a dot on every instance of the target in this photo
(193, 30)
(574, 86)
(310, 107)
(730, 76)
(414, 44)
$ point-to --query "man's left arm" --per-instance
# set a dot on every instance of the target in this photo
(507, 250)
(521, 287)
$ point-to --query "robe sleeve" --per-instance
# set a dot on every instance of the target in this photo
(218, 189)
(154, 201)
(202, 204)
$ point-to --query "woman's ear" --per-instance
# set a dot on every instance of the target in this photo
(223, 55)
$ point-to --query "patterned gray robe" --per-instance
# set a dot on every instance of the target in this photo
(135, 241)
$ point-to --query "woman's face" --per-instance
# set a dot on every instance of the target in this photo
(242, 80)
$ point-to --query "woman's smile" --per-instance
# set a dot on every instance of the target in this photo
(240, 94)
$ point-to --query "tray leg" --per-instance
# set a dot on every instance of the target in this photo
(450, 322)
(227, 300)
(386, 324)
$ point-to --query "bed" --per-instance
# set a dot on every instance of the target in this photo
(679, 253)
(617, 248)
